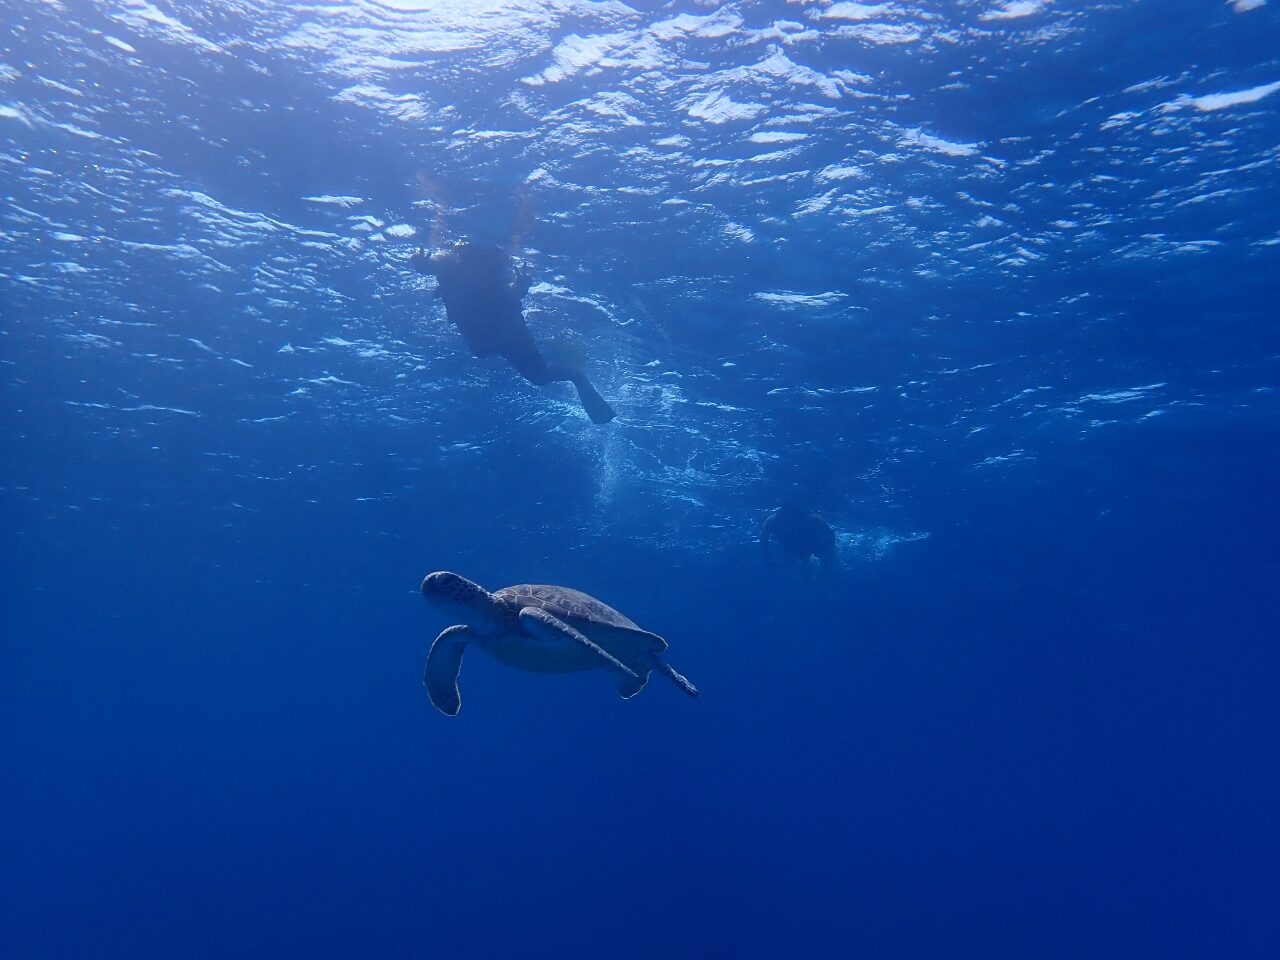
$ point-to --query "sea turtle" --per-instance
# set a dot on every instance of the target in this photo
(538, 627)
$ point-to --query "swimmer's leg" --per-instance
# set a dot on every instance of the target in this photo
(531, 365)
(596, 406)
(522, 353)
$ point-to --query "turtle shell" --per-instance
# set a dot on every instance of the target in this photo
(578, 609)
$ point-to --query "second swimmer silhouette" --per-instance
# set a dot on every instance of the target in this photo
(803, 536)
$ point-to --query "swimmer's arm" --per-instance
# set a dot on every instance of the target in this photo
(523, 281)
(422, 262)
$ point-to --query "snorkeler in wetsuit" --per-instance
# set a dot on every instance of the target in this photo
(802, 535)
(482, 298)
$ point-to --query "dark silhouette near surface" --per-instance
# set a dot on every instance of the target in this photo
(801, 535)
(482, 295)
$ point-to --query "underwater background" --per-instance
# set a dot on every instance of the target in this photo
(992, 286)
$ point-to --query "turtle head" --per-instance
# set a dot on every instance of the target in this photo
(459, 598)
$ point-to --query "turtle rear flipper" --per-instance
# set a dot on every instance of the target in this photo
(444, 662)
(679, 679)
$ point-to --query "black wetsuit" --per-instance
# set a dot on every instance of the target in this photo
(483, 298)
(801, 534)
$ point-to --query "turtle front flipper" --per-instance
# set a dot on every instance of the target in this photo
(544, 626)
(443, 664)
(630, 686)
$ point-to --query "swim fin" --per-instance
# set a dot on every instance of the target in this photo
(596, 406)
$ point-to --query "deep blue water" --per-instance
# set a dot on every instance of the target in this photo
(992, 286)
